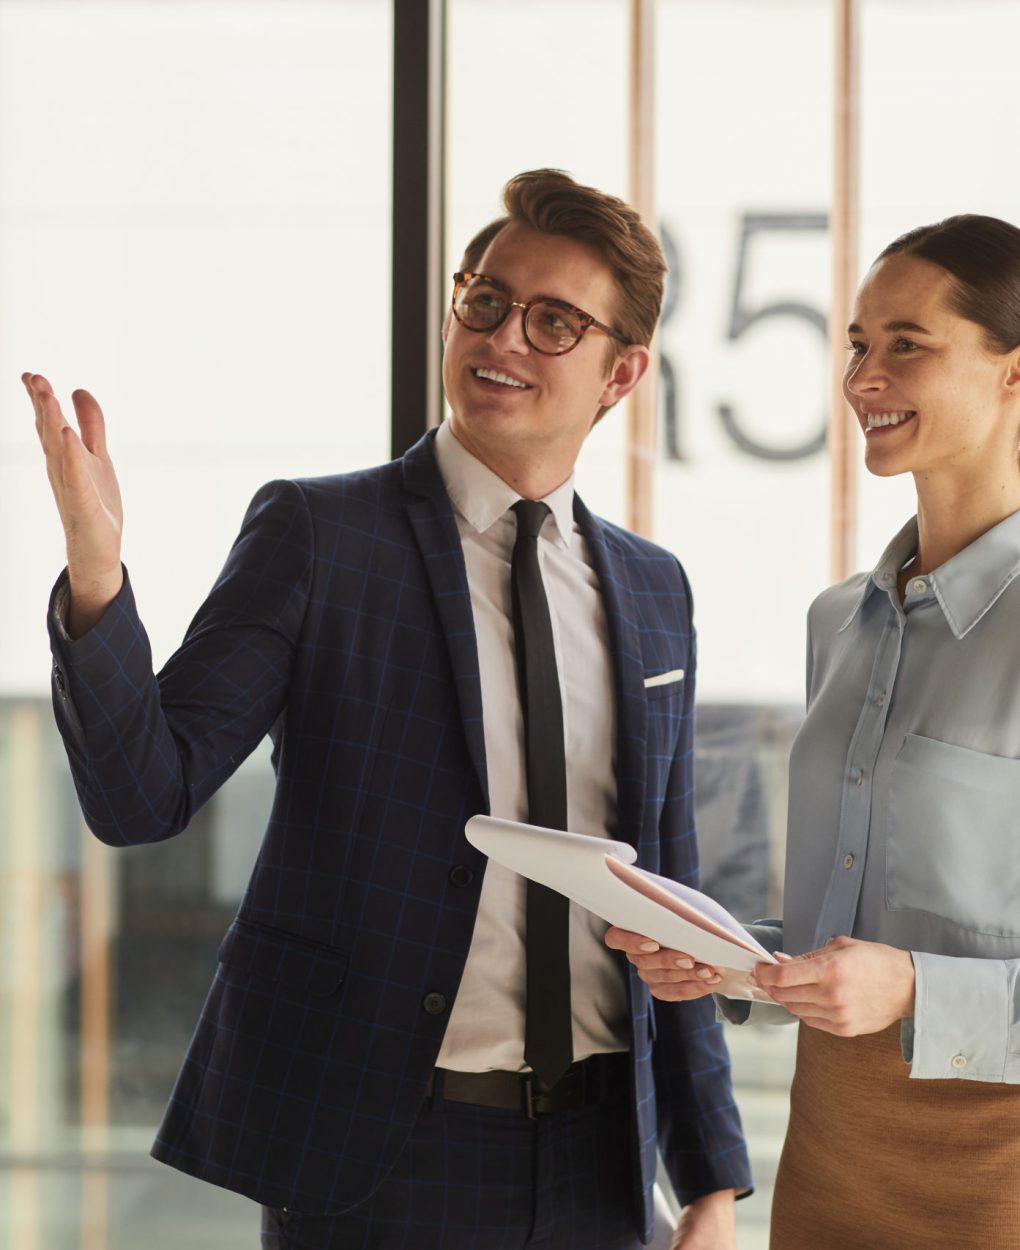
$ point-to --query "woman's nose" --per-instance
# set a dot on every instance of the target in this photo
(863, 374)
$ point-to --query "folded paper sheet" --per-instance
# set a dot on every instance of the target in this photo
(600, 875)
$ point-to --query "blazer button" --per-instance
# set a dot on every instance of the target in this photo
(434, 1004)
(461, 875)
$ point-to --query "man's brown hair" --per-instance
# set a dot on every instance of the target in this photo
(550, 201)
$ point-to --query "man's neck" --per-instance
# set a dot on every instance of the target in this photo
(531, 474)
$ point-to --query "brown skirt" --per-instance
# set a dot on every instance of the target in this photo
(876, 1161)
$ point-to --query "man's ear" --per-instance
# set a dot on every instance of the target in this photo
(628, 370)
(1013, 374)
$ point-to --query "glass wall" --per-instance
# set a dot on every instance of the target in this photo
(955, 75)
(194, 225)
(536, 84)
(744, 171)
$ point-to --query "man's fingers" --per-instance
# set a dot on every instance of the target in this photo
(645, 952)
(670, 975)
(91, 423)
(628, 942)
(679, 991)
(74, 472)
(49, 419)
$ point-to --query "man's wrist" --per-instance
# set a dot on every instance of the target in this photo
(717, 1196)
(88, 598)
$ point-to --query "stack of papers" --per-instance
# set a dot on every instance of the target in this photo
(599, 874)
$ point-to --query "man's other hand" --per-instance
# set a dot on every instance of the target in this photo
(672, 976)
(708, 1223)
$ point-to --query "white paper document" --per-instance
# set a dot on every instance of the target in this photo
(600, 875)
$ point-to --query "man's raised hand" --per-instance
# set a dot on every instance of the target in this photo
(88, 499)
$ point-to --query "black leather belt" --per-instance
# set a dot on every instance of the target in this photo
(590, 1081)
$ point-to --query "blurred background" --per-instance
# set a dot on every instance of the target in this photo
(204, 210)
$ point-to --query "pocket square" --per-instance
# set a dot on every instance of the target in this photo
(664, 679)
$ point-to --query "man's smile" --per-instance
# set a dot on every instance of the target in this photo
(497, 376)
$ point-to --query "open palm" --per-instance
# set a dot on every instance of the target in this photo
(86, 492)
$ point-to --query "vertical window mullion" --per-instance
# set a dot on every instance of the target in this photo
(844, 218)
(419, 136)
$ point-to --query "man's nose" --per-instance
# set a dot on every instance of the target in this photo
(509, 335)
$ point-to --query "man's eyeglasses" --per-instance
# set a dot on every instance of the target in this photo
(550, 325)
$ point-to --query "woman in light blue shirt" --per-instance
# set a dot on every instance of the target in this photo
(902, 898)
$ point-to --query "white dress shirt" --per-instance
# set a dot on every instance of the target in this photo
(486, 1028)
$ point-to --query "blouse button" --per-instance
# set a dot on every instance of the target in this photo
(880, 699)
(920, 585)
(959, 1061)
(859, 777)
(848, 861)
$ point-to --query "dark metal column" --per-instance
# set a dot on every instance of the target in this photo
(419, 143)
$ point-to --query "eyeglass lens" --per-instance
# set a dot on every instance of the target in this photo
(548, 327)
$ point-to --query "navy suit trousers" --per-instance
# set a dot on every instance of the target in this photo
(479, 1178)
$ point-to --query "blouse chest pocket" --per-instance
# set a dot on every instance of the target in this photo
(952, 844)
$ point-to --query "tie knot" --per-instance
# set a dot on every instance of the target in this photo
(530, 515)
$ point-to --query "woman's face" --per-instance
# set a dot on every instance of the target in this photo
(929, 395)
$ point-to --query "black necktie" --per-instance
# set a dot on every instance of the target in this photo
(548, 1040)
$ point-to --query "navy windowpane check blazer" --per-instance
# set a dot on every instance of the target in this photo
(341, 625)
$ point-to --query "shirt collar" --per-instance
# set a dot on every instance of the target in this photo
(481, 497)
(967, 585)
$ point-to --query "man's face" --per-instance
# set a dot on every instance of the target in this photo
(508, 399)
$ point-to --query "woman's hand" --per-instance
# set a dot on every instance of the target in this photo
(87, 496)
(846, 988)
(672, 976)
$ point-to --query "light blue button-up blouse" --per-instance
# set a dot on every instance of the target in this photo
(904, 816)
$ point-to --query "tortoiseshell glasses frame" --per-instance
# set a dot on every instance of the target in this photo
(564, 326)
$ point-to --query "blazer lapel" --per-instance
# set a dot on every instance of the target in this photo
(435, 528)
(628, 671)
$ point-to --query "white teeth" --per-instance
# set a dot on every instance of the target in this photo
(493, 376)
(878, 419)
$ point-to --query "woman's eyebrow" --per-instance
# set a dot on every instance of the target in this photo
(892, 327)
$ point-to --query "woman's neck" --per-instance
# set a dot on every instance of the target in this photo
(952, 512)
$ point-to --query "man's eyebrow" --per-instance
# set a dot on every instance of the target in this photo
(892, 327)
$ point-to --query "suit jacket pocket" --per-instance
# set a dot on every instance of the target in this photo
(673, 689)
(952, 845)
(259, 952)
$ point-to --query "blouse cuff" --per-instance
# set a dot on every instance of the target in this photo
(962, 1014)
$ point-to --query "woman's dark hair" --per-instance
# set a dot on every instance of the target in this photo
(982, 255)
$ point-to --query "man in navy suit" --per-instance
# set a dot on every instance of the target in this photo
(358, 1068)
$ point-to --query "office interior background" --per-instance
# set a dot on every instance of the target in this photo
(234, 221)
